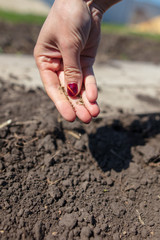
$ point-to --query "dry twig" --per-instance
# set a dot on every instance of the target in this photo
(8, 122)
(139, 217)
(53, 182)
(73, 134)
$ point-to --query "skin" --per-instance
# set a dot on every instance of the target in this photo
(65, 52)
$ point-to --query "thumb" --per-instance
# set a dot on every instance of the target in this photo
(72, 72)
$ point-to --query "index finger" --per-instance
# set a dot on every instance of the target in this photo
(54, 91)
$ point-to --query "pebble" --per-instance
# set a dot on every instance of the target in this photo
(151, 224)
(118, 209)
(97, 230)
(116, 236)
(110, 181)
(63, 236)
(55, 193)
(67, 182)
(20, 213)
(86, 232)
(62, 203)
(132, 195)
(76, 232)
(143, 205)
(79, 145)
(38, 231)
(31, 129)
(71, 235)
(69, 210)
(86, 176)
(48, 160)
(85, 185)
(148, 152)
(69, 220)
(144, 233)
(133, 170)
(104, 227)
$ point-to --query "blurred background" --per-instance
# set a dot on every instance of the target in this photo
(130, 29)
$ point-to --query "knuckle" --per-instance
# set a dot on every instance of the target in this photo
(72, 72)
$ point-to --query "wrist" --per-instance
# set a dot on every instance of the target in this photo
(102, 5)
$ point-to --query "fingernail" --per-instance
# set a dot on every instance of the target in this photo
(72, 89)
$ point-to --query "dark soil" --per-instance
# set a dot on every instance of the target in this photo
(21, 38)
(71, 181)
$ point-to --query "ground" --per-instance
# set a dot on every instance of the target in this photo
(64, 180)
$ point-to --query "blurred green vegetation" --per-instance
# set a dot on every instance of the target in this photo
(13, 17)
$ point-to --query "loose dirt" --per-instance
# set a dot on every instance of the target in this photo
(63, 180)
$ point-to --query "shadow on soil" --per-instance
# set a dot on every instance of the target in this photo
(112, 145)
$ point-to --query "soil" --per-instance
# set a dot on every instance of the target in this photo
(70, 181)
(21, 38)
(63, 180)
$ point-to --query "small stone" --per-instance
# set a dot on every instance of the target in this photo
(134, 169)
(39, 232)
(117, 209)
(86, 217)
(97, 230)
(67, 182)
(151, 224)
(86, 176)
(144, 233)
(86, 232)
(148, 152)
(20, 213)
(31, 129)
(116, 236)
(69, 220)
(76, 232)
(54, 234)
(64, 235)
(48, 160)
(62, 202)
(71, 235)
(134, 186)
(46, 143)
(132, 195)
(143, 205)
(55, 193)
(104, 227)
(79, 145)
(85, 185)
(69, 210)
(110, 181)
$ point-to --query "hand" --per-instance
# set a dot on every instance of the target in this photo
(68, 42)
(65, 52)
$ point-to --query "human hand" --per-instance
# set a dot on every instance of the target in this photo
(66, 49)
